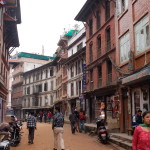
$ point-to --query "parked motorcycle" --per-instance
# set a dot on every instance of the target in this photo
(15, 137)
(102, 132)
(4, 144)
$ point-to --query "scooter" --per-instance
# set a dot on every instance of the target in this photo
(102, 132)
(15, 134)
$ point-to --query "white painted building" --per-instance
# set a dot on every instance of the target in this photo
(76, 59)
(39, 88)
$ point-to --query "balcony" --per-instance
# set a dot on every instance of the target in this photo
(35, 102)
(17, 81)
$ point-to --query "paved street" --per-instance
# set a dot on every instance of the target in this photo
(44, 140)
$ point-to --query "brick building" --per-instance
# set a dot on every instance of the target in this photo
(10, 17)
(133, 57)
(100, 59)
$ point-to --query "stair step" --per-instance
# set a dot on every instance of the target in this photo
(125, 144)
(122, 138)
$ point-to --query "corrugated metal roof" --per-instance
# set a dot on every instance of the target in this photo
(34, 56)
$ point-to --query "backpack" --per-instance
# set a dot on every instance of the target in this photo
(81, 116)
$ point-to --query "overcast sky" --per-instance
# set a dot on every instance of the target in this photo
(43, 21)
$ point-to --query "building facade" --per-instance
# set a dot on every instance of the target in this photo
(99, 17)
(9, 18)
(26, 62)
(133, 57)
(75, 63)
(39, 88)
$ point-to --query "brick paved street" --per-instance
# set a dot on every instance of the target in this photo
(44, 140)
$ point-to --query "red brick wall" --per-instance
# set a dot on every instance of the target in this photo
(102, 31)
(136, 10)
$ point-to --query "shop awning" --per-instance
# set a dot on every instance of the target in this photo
(137, 77)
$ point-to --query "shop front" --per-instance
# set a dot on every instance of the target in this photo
(138, 89)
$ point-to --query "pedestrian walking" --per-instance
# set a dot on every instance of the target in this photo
(45, 116)
(77, 120)
(73, 118)
(49, 115)
(41, 116)
(141, 137)
(57, 126)
(31, 126)
(82, 119)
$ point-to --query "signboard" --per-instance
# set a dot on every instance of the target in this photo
(138, 75)
(84, 77)
(2, 2)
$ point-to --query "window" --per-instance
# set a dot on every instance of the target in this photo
(108, 40)
(39, 88)
(51, 72)
(109, 71)
(91, 27)
(77, 88)
(24, 91)
(51, 85)
(80, 46)
(46, 101)
(29, 79)
(37, 76)
(122, 5)
(45, 86)
(98, 19)
(98, 46)
(72, 71)
(28, 90)
(124, 47)
(107, 10)
(51, 99)
(142, 35)
(46, 74)
(91, 53)
(79, 66)
(41, 75)
(76, 67)
(72, 89)
(99, 76)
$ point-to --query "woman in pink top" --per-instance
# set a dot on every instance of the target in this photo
(141, 137)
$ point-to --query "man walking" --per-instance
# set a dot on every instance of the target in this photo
(57, 126)
(73, 118)
(31, 126)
